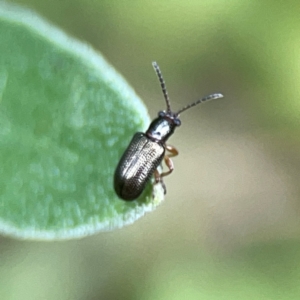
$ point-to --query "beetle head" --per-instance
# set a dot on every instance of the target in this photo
(163, 126)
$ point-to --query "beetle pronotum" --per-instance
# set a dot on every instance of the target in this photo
(147, 150)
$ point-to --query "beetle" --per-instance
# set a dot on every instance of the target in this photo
(147, 150)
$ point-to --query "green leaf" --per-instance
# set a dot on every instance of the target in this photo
(65, 118)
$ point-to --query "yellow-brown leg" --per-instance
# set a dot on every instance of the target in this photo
(158, 179)
(169, 163)
(172, 150)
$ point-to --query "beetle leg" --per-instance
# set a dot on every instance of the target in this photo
(169, 163)
(158, 179)
(156, 176)
(173, 151)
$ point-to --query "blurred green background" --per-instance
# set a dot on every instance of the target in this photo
(229, 228)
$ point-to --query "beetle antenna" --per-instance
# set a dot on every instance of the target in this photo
(207, 98)
(163, 85)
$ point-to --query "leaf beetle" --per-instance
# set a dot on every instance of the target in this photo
(147, 150)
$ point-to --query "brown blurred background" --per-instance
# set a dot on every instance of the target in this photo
(229, 228)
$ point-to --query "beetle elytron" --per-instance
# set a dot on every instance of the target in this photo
(147, 150)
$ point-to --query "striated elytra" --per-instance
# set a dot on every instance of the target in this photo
(147, 150)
